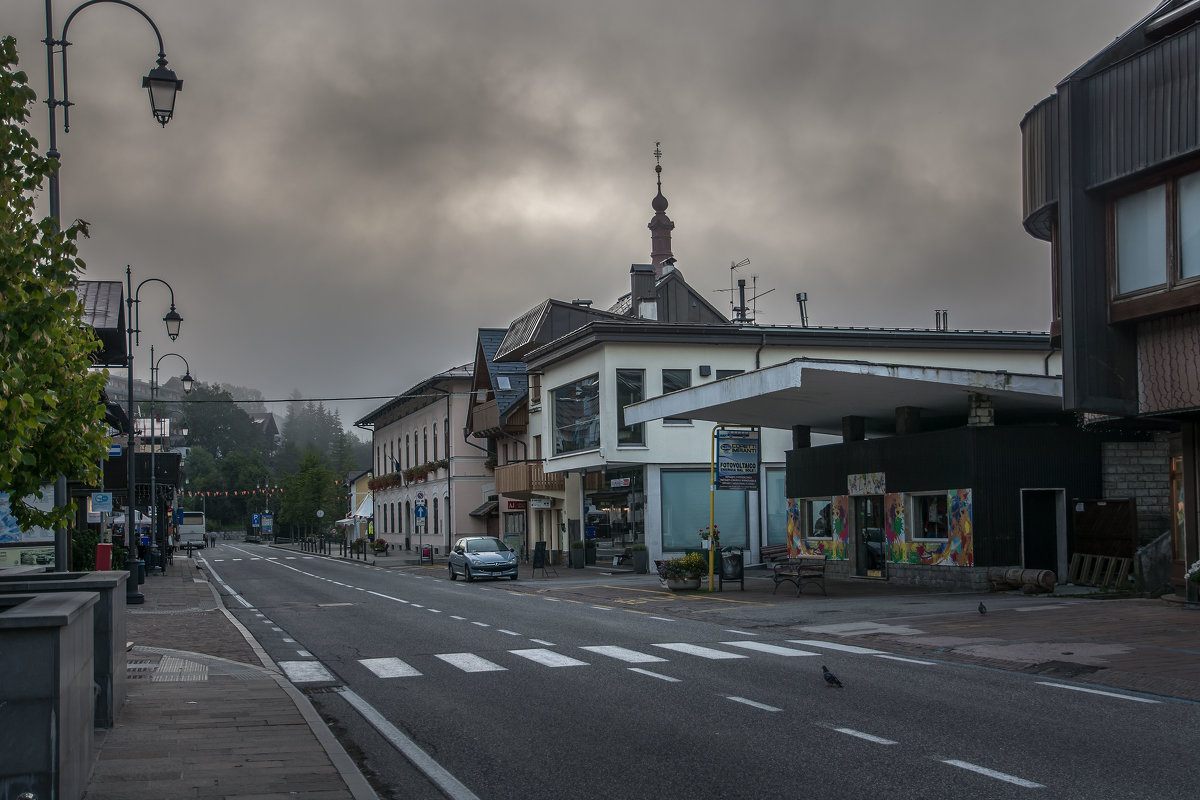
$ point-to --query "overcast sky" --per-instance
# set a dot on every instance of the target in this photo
(350, 189)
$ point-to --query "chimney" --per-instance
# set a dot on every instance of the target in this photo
(643, 301)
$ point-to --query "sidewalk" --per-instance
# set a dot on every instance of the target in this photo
(208, 715)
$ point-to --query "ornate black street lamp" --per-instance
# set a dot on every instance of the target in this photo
(186, 381)
(173, 322)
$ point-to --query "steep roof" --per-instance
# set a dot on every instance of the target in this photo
(103, 310)
(417, 396)
(509, 382)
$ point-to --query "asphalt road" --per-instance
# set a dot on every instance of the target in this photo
(495, 693)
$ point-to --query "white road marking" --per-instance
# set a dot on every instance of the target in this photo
(542, 641)
(469, 662)
(623, 654)
(289, 641)
(773, 649)
(1097, 691)
(697, 650)
(481, 624)
(740, 633)
(867, 736)
(510, 633)
(991, 773)
(663, 619)
(456, 616)
(277, 629)
(389, 667)
(433, 611)
(417, 605)
(907, 660)
(654, 674)
(449, 785)
(603, 608)
(552, 599)
(304, 654)
(549, 658)
(753, 704)
(305, 671)
(1050, 607)
(846, 648)
(388, 597)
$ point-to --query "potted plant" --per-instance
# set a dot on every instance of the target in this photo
(578, 557)
(641, 558)
(683, 572)
(379, 546)
(710, 539)
(1192, 576)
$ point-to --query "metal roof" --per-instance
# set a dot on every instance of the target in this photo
(819, 393)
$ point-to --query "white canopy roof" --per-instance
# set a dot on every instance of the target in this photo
(365, 509)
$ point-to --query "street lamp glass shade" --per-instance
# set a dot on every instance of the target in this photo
(173, 321)
(187, 381)
(162, 85)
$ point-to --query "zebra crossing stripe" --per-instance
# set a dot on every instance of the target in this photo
(305, 671)
(774, 649)
(697, 650)
(845, 648)
(549, 658)
(623, 654)
(469, 662)
(389, 667)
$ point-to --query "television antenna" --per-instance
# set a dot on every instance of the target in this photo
(742, 313)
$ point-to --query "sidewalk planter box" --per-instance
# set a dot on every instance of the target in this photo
(578, 559)
(108, 631)
(641, 561)
(46, 699)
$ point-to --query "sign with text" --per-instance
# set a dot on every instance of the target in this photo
(540, 502)
(516, 505)
(737, 459)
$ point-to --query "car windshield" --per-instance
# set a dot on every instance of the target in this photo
(485, 546)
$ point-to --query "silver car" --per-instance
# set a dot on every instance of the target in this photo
(482, 557)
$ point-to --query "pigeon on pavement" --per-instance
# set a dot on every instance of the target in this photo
(982, 608)
(830, 678)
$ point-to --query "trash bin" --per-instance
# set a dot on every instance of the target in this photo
(104, 556)
(731, 565)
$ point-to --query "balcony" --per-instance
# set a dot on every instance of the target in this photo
(524, 480)
(485, 419)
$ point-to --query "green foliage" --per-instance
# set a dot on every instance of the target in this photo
(217, 424)
(311, 488)
(83, 550)
(690, 565)
(50, 411)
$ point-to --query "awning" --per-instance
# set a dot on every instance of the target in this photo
(485, 509)
(346, 521)
(365, 509)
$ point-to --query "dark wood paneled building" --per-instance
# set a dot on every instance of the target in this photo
(1112, 180)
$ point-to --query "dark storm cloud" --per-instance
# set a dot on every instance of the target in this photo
(349, 189)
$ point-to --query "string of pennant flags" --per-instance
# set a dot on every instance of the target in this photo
(261, 491)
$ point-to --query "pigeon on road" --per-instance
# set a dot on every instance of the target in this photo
(830, 678)
(982, 608)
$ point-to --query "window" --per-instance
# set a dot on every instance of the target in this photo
(446, 436)
(1155, 250)
(514, 523)
(425, 445)
(435, 455)
(815, 518)
(1142, 240)
(631, 388)
(577, 416)
(685, 511)
(673, 380)
(407, 452)
(535, 390)
(928, 516)
(436, 503)
(776, 532)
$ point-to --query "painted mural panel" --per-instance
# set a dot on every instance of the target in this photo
(893, 527)
(834, 546)
(866, 483)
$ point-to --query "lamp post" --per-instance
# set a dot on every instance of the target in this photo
(173, 322)
(160, 83)
(187, 382)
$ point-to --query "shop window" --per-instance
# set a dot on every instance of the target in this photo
(928, 517)
(514, 523)
(631, 388)
(576, 409)
(673, 380)
(815, 518)
(776, 532)
(685, 495)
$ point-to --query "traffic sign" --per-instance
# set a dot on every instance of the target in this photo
(102, 502)
(114, 450)
(254, 520)
(421, 498)
(419, 512)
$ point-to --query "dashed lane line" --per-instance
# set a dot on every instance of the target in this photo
(1097, 691)
(753, 703)
(867, 736)
(991, 773)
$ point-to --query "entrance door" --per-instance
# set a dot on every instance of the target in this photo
(869, 538)
(1040, 529)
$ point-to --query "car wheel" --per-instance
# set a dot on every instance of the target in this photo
(467, 573)
(512, 577)
(453, 575)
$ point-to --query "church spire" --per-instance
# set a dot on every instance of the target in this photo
(660, 225)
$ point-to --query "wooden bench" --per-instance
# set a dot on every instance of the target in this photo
(801, 570)
(773, 552)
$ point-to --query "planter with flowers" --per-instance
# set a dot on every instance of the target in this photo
(710, 539)
(679, 574)
(1192, 576)
(379, 546)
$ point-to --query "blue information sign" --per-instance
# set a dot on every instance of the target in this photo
(737, 459)
(419, 512)
(254, 520)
